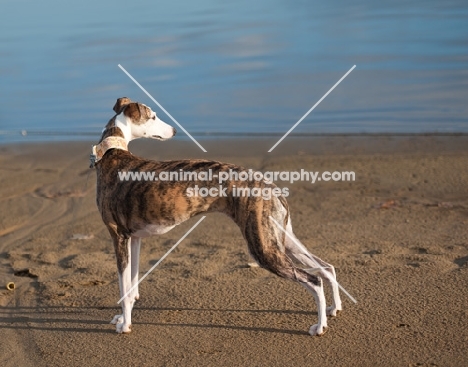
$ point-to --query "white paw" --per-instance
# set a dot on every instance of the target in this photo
(137, 296)
(123, 328)
(333, 311)
(318, 330)
(118, 319)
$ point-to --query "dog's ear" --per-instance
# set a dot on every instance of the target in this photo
(121, 103)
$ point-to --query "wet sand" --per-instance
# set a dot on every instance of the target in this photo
(398, 237)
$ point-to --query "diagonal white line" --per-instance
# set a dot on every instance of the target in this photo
(316, 263)
(162, 258)
(161, 107)
(315, 105)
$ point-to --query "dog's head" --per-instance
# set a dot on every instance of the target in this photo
(137, 120)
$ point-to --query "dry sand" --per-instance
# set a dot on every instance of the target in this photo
(398, 236)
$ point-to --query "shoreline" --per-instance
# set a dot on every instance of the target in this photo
(314, 144)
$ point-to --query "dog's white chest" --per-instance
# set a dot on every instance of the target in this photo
(152, 229)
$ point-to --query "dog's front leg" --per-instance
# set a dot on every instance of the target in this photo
(123, 253)
(125, 282)
(135, 261)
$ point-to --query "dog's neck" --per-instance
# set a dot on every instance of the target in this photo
(123, 128)
(113, 131)
(118, 126)
(112, 138)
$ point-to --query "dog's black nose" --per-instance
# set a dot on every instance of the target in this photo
(175, 131)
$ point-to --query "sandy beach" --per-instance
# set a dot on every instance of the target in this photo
(398, 236)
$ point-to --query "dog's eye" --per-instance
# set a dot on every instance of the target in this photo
(154, 117)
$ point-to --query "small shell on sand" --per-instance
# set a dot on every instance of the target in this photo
(79, 236)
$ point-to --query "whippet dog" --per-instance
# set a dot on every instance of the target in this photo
(132, 210)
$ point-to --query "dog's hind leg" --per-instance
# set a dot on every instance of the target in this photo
(329, 275)
(317, 292)
(313, 284)
(266, 246)
(296, 250)
(135, 262)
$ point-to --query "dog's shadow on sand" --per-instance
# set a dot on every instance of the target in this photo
(71, 319)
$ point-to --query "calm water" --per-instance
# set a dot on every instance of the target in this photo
(235, 67)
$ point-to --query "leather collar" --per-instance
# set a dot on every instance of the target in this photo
(111, 142)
